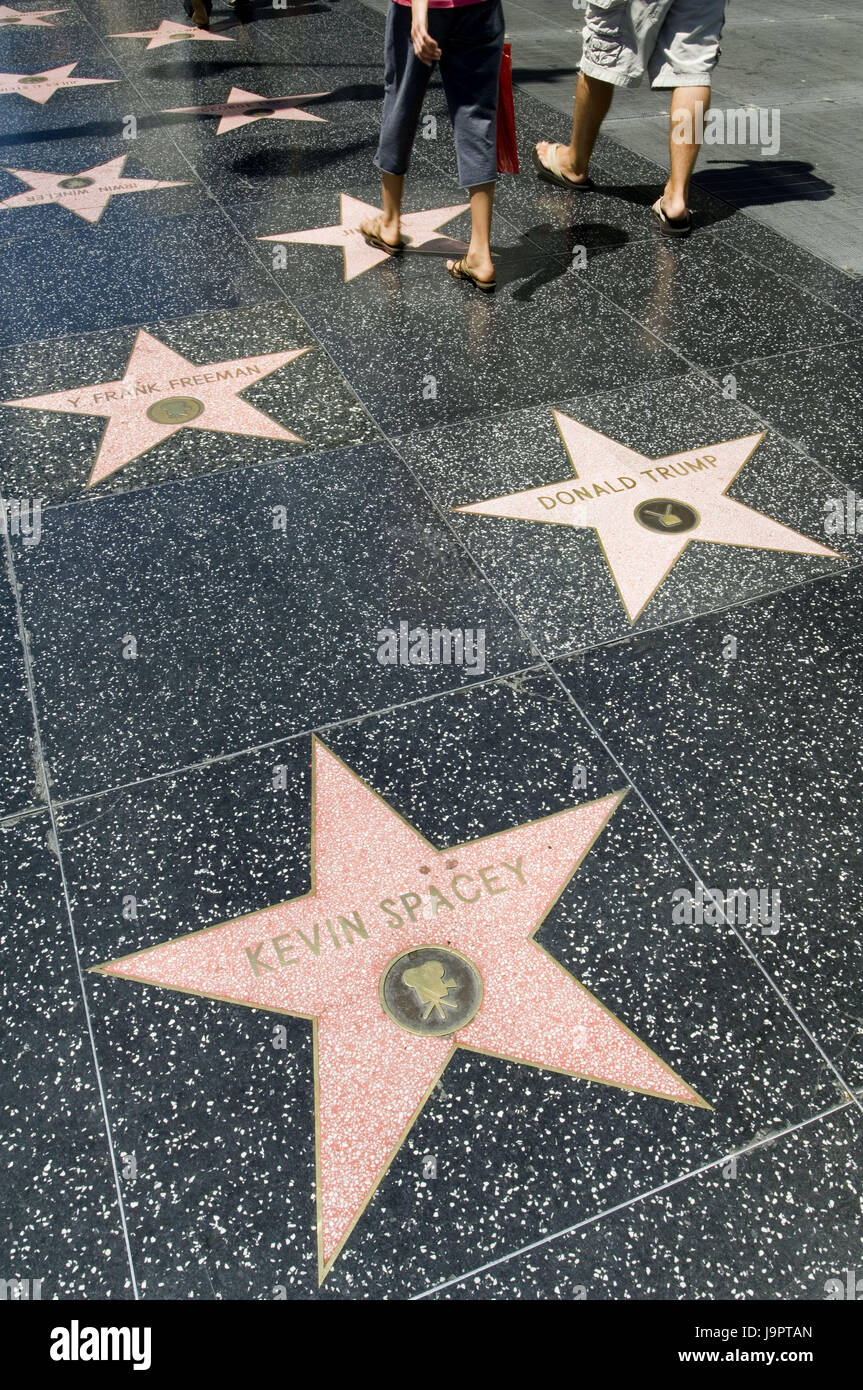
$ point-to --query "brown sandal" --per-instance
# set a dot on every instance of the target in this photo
(374, 239)
(552, 172)
(459, 271)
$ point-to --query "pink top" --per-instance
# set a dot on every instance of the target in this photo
(442, 4)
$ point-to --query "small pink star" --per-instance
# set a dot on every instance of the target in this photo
(170, 32)
(27, 18)
(418, 228)
(242, 108)
(41, 86)
(87, 194)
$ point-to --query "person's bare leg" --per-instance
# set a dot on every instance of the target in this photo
(592, 102)
(478, 255)
(684, 145)
(479, 250)
(200, 14)
(387, 225)
(392, 188)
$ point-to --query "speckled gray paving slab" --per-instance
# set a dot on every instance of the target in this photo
(73, 110)
(739, 729)
(264, 159)
(20, 781)
(77, 281)
(843, 290)
(221, 1118)
(556, 578)
(55, 454)
(781, 1223)
(420, 348)
(714, 303)
(61, 1222)
(238, 642)
(815, 398)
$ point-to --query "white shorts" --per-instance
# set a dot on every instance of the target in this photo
(676, 42)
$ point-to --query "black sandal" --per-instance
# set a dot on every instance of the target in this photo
(672, 226)
(459, 271)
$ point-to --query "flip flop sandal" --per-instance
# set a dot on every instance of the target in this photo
(459, 271)
(199, 11)
(552, 172)
(672, 226)
(378, 242)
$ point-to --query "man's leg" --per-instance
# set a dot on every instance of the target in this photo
(684, 144)
(592, 101)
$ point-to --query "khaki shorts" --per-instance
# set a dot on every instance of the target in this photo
(676, 42)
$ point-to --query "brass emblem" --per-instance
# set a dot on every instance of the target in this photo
(77, 181)
(175, 410)
(431, 990)
(260, 111)
(35, 78)
(666, 515)
(11, 19)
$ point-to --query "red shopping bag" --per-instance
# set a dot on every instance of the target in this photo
(507, 150)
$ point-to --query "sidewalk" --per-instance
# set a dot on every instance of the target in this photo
(413, 676)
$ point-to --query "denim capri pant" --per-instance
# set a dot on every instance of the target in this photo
(470, 38)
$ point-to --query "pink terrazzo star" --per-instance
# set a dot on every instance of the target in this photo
(243, 108)
(163, 392)
(41, 86)
(418, 229)
(646, 511)
(169, 32)
(28, 18)
(379, 889)
(87, 193)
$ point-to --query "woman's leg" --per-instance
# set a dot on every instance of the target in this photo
(406, 80)
(470, 71)
(478, 258)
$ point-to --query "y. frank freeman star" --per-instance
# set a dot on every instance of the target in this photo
(163, 392)
(399, 954)
(646, 511)
(418, 229)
